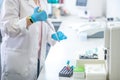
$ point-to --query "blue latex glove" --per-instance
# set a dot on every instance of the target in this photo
(38, 15)
(60, 35)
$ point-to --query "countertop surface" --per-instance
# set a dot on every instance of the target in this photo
(68, 49)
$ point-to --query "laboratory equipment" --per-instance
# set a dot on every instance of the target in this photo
(41, 15)
(112, 47)
(66, 71)
(81, 3)
(89, 54)
(52, 28)
(95, 72)
(91, 9)
(79, 73)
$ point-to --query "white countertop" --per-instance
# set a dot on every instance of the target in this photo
(82, 24)
(66, 50)
(75, 18)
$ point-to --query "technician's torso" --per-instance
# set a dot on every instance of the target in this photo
(21, 51)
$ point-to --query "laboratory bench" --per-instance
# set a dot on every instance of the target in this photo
(68, 49)
(75, 18)
(93, 29)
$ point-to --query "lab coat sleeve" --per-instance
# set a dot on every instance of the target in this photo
(11, 23)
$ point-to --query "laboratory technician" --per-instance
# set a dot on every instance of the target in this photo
(24, 37)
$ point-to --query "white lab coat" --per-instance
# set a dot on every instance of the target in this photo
(19, 48)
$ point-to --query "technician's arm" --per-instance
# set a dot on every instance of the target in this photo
(11, 23)
(36, 16)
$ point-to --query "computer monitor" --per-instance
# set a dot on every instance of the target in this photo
(81, 3)
(91, 8)
(82, 8)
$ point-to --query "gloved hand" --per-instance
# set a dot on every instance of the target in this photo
(58, 36)
(38, 15)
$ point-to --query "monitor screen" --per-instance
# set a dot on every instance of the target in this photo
(81, 2)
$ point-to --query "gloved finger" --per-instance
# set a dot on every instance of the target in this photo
(61, 35)
(36, 9)
(64, 37)
(54, 37)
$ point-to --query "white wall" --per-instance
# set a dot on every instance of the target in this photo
(95, 7)
(113, 8)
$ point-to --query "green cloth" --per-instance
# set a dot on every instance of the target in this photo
(79, 69)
